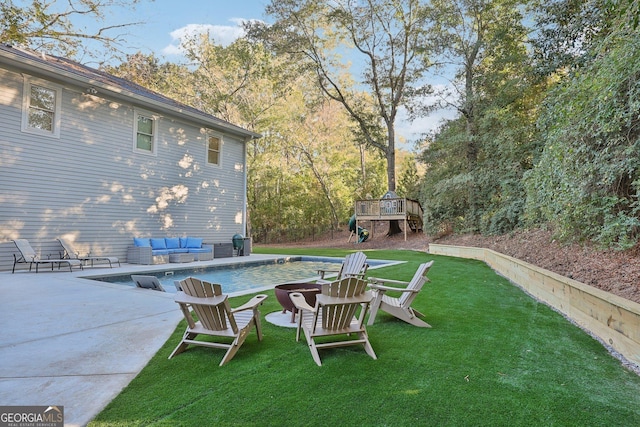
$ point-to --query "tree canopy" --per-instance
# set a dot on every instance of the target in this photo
(369, 56)
(547, 131)
(51, 26)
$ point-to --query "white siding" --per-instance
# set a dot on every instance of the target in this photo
(90, 187)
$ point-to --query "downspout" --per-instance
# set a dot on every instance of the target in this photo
(244, 186)
(245, 183)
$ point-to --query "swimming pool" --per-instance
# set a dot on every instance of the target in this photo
(247, 276)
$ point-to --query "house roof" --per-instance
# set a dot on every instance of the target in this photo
(71, 71)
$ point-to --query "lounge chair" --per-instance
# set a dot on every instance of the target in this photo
(337, 317)
(72, 254)
(216, 317)
(399, 307)
(28, 255)
(147, 282)
(354, 265)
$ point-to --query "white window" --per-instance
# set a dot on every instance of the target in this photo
(214, 148)
(144, 137)
(41, 107)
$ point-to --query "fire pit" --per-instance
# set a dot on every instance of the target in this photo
(309, 290)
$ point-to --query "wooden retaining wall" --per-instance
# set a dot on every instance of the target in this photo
(615, 320)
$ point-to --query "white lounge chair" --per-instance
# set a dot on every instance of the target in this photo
(29, 255)
(70, 253)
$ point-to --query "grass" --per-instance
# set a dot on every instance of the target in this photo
(494, 357)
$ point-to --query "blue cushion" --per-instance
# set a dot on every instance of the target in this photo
(199, 250)
(178, 250)
(160, 251)
(172, 242)
(158, 244)
(194, 242)
(183, 242)
(141, 242)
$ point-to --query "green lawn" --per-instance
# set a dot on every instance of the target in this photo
(494, 357)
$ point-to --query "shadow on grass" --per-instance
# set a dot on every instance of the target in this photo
(493, 357)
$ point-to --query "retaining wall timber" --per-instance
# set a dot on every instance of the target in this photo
(613, 319)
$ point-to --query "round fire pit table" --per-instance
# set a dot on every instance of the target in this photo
(309, 290)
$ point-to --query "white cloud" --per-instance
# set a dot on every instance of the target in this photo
(221, 34)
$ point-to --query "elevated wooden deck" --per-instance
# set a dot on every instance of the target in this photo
(407, 210)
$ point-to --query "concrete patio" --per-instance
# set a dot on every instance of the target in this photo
(77, 343)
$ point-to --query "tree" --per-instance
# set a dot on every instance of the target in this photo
(305, 169)
(484, 42)
(241, 83)
(566, 30)
(48, 25)
(409, 181)
(444, 187)
(587, 180)
(313, 139)
(380, 41)
(147, 71)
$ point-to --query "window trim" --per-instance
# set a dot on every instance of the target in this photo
(210, 133)
(30, 81)
(139, 112)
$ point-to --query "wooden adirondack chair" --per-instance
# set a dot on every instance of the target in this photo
(338, 314)
(399, 307)
(354, 265)
(216, 317)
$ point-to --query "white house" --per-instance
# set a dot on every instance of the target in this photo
(98, 160)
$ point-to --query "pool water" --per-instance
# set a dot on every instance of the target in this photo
(241, 277)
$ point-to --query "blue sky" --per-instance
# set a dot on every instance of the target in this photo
(165, 21)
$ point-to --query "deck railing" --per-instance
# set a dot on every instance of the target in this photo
(381, 208)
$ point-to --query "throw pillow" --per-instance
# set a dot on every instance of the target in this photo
(141, 242)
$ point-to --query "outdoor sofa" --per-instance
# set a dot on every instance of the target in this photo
(168, 249)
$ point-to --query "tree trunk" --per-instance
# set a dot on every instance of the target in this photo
(472, 140)
(394, 225)
(390, 154)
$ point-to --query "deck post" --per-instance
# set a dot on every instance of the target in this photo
(405, 228)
